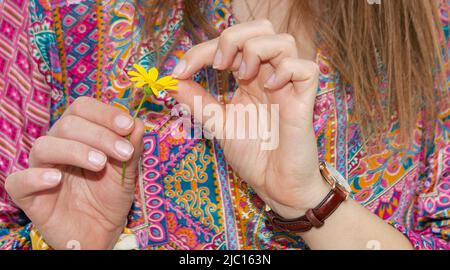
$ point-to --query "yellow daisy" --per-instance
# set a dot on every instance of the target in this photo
(149, 80)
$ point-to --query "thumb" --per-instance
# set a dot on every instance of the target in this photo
(189, 90)
(201, 104)
(136, 139)
(24, 185)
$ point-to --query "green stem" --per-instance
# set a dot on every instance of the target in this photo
(136, 113)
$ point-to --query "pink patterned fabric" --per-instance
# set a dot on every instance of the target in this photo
(24, 96)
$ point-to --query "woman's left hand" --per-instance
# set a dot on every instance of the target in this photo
(268, 71)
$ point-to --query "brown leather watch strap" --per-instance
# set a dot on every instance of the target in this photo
(314, 218)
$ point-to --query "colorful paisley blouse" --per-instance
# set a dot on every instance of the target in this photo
(54, 51)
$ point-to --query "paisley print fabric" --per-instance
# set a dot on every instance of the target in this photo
(53, 51)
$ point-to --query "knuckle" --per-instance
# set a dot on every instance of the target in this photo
(266, 24)
(79, 104)
(39, 147)
(285, 64)
(9, 184)
(283, 50)
(40, 143)
(192, 51)
(195, 51)
(65, 125)
(77, 155)
(101, 135)
(227, 31)
(14, 183)
(228, 37)
(314, 68)
(250, 46)
(287, 38)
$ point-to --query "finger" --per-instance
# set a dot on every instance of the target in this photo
(101, 114)
(21, 185)
(221, 52)
(78, 129)
(302, 73)
(49, 151)
(232, 40)
(261, 49)
(195, 59)
(201, 104)
(237, 62)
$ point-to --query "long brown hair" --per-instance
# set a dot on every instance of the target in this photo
(404, 36)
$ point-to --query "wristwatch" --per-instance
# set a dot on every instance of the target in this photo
(315, 218)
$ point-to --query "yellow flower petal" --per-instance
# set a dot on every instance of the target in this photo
(155, 91)
(153, 74)
(137, 79)
(168, 83)
(140, 69)
(171, 87)
(172, 83)
(140, 84)
(165, 80)
(149, 79)
(135, 74)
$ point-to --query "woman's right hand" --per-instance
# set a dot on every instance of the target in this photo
(73, 189)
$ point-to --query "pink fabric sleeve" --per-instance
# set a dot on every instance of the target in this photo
(24, 111)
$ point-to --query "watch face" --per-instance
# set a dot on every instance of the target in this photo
(341, 180)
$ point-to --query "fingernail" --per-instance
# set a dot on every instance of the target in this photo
(218, 59)
(124, 149)
(97, 159)
(124, 122)
(179, 69)
(242, 70)
(52, 177)
(271, 81)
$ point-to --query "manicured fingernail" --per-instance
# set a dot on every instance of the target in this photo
(124, 149)
(271, 81)
(179, 69)
(97, 159)
(52, 177)
(242, 70)
(218, 59)
(123, 122)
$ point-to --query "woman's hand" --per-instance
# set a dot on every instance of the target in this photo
(287, 178)
(269, 71)
(73, 189)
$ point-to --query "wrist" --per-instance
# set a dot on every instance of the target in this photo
(308, 198)
(122, 239)
(112, 241)
(315, 216)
